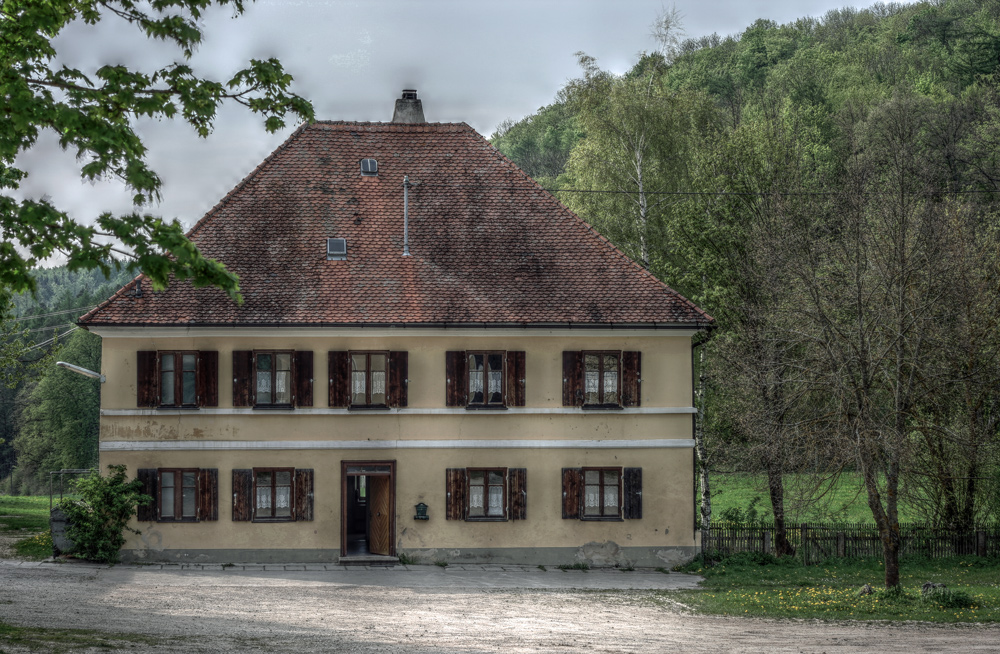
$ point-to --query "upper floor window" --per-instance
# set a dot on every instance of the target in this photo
(369, 372)
(177, 379)
(369, 167)
(484, 379)
(602, 379)
(368, 380)
(486, 494)
(272, 378)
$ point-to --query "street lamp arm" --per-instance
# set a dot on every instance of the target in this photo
(82, 371)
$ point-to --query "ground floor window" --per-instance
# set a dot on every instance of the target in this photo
(179, 494)
(496, 494)
(602, 493)
(272, 494)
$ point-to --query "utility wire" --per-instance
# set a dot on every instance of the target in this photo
(54, 313)
(51, 340)
(696, 193)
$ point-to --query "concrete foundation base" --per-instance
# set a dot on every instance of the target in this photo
(607, 554)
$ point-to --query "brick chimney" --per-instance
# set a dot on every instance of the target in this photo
(408, 108)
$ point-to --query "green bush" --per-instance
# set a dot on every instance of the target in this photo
(99, 519)
(948, 599)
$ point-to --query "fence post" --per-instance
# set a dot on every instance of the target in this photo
(981, 543)
(841, 544)
(767, 542)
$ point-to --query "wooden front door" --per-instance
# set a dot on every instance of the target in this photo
(368, 508)
(379, 523)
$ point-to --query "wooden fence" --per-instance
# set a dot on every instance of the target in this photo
(816, 542)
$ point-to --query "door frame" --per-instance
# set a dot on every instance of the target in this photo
(391, 474)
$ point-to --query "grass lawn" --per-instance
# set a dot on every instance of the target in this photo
(27, 517)
(740, 586)
(844, 501)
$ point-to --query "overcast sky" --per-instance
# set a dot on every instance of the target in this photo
(476, 61)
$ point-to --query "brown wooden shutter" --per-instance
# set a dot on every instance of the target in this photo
(208, 379)
(572, 379)
(208, 494)
(571, 487)
(243, 495)
(304, 494)
(339, 373)
(518, 480)
(150, 479)
(147, 387)
(632, 482)
(243, 378)
(303, 378)
(399, 373)
(455, 494)
(515, 379)
(631, 378)
(457, 379)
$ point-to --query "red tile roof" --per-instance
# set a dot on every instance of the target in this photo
(488, 245)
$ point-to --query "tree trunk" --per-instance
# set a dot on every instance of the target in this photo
(699, 444)
(776, 489)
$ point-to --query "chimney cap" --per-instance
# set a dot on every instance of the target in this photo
(409, 109)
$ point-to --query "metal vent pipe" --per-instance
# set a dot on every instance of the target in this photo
(406, 215)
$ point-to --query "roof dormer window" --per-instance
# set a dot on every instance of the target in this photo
(369, 167)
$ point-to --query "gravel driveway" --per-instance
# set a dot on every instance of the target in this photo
(421, 609)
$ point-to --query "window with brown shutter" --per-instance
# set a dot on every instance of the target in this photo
(484, 379)
(571, 482)
(148, 477)
(242, 378)
(454, 480)
(632, 489)
(456, 383)
(303, 372)
(399, 379)
(180, 494)
(177, 379)
(272, 495)
(606, 493)
(368, 379)
(243, 495)
(339, 373)
(604, 379)
(518, 493)
(486, 494)
(146, 386)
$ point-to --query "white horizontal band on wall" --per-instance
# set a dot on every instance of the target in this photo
(312, 411)
(162, 446)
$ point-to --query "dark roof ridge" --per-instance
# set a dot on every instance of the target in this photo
(614, 248)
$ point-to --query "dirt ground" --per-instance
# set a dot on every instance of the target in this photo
(223, 611)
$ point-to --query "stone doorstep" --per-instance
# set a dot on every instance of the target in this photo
(369, 560)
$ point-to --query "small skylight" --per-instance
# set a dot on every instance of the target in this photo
(369, 167)
(336, 249)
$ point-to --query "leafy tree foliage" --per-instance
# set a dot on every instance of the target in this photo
(832, 201)
(93, 113)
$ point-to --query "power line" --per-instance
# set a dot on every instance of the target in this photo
(54, 313)
(479, 187)
(51, 340)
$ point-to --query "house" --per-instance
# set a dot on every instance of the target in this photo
(434, 357)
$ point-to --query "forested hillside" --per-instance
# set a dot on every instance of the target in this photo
(49, 416)
(827, 190)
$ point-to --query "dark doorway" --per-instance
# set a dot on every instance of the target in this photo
(368, 516)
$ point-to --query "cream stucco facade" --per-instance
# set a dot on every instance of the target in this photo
(422, 441)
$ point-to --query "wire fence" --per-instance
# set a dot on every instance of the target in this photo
(816, 542)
